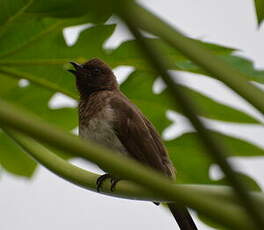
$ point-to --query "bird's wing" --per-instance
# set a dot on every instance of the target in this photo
(139, 137)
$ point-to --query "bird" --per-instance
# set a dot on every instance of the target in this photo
(109, 118)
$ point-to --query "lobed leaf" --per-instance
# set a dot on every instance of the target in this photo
(13, 159)
(130, 55)
(193, 164)
(138, 88)
(35, 99)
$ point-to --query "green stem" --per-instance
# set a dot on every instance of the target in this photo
(214, 149)
(128, 169)
(124, 189)
(220, 195)
(199, 55)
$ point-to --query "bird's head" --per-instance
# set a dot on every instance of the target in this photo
(92, 76)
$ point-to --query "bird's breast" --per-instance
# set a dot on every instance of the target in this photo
(100, 129)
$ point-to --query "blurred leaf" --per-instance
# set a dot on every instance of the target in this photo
(130, 55)
(259, 4)
(13, 159)
(192, 162)
(35, 99)
(68, 8)
(20, 30)
(248, 181)
(29, 44)
(10, 9)
(156, 105)
(55, 54)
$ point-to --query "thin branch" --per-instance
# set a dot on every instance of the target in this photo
(131, 170)
(214, 149)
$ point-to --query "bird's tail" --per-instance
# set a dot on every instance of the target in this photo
(183, 217)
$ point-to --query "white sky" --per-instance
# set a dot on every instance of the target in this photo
(48, 202)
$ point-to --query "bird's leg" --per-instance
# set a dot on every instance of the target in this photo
(100, 181)
(102, 178)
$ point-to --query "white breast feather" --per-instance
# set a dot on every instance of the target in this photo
(100, 129)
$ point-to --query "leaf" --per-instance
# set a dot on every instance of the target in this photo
(100, 9)
(19, 29)
(191, 161)
(13, 159)
(259, 5)
(10, 9)
(54, 54)
(129, 54)
(35, 99)
(156, 105)
(250, 183)
(30, 44)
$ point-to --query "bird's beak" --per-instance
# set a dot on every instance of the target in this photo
(76, 66)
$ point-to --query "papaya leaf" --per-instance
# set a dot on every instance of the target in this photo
(130, 55)
(13, 159)
(193, 164)
(138, 88)
(35, 99)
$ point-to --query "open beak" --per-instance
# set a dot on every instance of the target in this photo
(76, 66)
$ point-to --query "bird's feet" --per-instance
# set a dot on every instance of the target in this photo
(102, 178)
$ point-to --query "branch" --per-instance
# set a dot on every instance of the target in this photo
(131, 170)
(124, 189)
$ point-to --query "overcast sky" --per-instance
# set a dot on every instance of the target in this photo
(48, 202)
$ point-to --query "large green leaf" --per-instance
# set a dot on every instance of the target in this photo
(13, 159)
(139, 86)
(29, 44)
(52, 55)
(11, 9)
(130, 55)
(68, 8)
(193, 164)
(259, 4)
(19, 28)
(35, 99)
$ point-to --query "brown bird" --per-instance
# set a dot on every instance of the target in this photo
(107, 117)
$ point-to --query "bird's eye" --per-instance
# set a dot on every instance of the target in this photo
(96, 70)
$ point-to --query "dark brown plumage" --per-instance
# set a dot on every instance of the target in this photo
(108, 117)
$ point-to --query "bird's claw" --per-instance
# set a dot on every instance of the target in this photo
(102, 178)
(113, 183)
